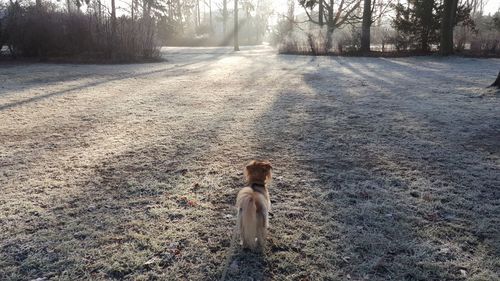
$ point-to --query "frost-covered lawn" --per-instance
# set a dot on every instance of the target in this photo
(385, 169)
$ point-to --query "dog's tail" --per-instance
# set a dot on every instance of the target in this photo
(248, 221)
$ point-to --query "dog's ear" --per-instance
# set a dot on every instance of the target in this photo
(268, 168)
(248, 169)
(250, 165)
(267, 165)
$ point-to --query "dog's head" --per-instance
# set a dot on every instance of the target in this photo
(258, 171)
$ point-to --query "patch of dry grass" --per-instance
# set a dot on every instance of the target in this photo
(131, 172)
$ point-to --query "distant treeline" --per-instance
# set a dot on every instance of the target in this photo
(99, 30)
(92, 29)
(44, 30)
(388, 27)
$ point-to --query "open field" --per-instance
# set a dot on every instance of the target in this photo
(384, 169)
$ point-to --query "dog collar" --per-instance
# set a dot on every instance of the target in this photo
(258, 187)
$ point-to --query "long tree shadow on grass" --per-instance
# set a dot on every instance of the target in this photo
(162, 210)
(203, 64)
(151, 211)
(357, 193)
(386, 186)
(327, 222)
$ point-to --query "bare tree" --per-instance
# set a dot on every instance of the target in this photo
(210, 10)
(113, 21)
(337, 14)
(132, 8)
(224, 17)
(477, 6)
(198, 18)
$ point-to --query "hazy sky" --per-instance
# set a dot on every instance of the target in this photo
(492, 6)
(280, 6)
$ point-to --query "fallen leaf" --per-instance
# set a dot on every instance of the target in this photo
(152, 260)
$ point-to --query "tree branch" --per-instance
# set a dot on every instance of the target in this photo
(348, 14)
(310, 18)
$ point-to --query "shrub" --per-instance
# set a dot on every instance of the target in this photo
(31, 31)
(348, 40)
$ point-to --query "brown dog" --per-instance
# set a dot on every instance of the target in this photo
(254, 205)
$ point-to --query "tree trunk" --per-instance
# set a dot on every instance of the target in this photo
(39, 32)
(330, 27)
(330, 12)
(290, 18)
(329, 37)
(113, 17)
(365, 29)
(198, 20)
(179, 17)
(320, 13)
(224, 17)
(236, 43)
(210, 10)
(447, 23)
(132, 10)
(99, 16)
(113, 28)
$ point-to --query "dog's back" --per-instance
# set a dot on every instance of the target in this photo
(253, 210)
(253, 204)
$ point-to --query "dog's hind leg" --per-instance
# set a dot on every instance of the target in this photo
(239, 226)
(262, 222)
